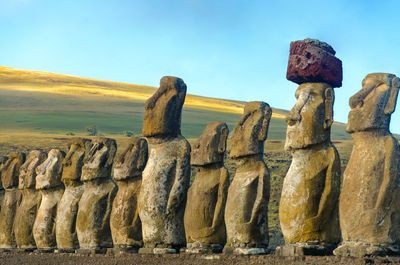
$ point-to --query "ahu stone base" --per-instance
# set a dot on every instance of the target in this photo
(199, 248)
(304, 249)
(122, 249)
(158, 250)
(247, 251)
(360, 250)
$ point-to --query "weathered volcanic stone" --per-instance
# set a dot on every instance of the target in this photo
(12, 197)
(10, 171)
(205, 207)
(166, 177)
(163, 110)
(211, 145)
(251, 130)
(26, 212)
(314, 61)
(3, 159)
(66, 236)
(308, 209)
(369, 202)
(48, 181)
(247, 203)
(125, 224)
(93, 220)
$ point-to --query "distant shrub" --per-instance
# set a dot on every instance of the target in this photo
(128, 133)
(92, 130)
(70, 133)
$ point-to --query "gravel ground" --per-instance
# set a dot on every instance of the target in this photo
(12, 258)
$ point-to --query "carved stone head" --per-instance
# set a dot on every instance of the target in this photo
(210, 147)
(163, 111)
(251, 130)
(3, 160)
(99, 160)
(372, 106)
(73, 161)
(27, 172)
(10, 170)
(49, 172)
(309, 121)
(132, 161)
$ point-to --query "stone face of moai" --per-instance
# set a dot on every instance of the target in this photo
(27, 209)
(166, 176)
(93, 220)
(369, 202)
(3, 160)
(247, 203)
(308, 209)
(67, 211)
(48, 181)
(12, 197)
(205, 207)
(125, 224)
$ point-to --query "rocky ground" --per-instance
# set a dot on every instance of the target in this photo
(44, 258)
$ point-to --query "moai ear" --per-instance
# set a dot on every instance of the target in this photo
(329, 99)
(222, 139)
(263, 133)
(394, 91)
(143, 154)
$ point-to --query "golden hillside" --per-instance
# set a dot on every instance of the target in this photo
(38, 81)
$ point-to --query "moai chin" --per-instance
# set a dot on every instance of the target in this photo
(27, 209)
(166, 176)
(369, 202)
(125, 224)
(206, 199)
(66, 236)
(308, 209)
(12, 197)
(247, 203)
(93, 220)
(48, 181)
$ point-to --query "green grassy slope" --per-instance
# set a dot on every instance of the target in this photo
(61, 114)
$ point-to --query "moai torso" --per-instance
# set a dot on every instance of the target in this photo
(308, 207)
(205, 207)
(26, 212)
(67, 211)
(48, 181)
(93, 220)
(126, 227)
(247, 203)
(166, 176)
(12, 197)
(369, 202)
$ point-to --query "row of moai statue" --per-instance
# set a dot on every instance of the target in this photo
(71, 202)
(316, 211)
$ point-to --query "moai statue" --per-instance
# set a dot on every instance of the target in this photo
(66, 236)
(94, 209)
(205, 207)
(162, 197)
(12, 197)
(26, 212)
(247, 203)
(370, 199)
(48, 181)
(3, 160)
(126, 228)
(308, 210)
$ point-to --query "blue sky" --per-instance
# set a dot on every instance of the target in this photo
(226, 49)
